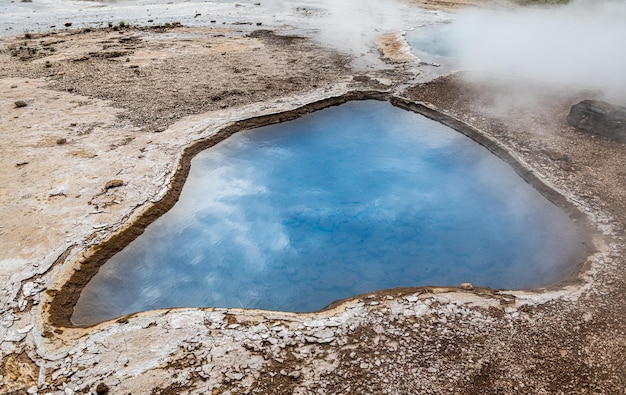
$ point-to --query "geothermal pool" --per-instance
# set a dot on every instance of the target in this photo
(432, 40)
(347, 200)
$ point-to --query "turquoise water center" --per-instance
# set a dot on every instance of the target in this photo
(351, 199)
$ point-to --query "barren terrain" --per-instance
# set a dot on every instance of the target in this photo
(97, 126)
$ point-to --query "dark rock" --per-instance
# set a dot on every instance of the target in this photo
(361, 78)
(20, 103)
(61, 141)
(601, 118)
(102, 389)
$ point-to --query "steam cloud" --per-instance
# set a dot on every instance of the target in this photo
(583, 43)
(352, 25)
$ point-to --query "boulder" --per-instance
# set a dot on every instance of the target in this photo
(598, 117)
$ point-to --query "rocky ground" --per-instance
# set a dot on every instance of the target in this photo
(103, 121)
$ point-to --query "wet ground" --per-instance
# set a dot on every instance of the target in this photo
(107, 118)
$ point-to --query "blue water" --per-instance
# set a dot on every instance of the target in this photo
(348, 200)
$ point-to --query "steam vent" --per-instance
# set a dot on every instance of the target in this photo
(323, 197)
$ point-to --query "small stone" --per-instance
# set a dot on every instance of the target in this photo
(467, 286)
(58, 191)
(294, 375)
(13, 86)
(14, 337)
(102, 389)
(25, 329)
(432, 370)
(20, 103)
(68, 24)
(61, 141)
(28, 288)
(113, 184)
(237, 376)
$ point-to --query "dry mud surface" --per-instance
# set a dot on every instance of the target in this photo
(108, 116)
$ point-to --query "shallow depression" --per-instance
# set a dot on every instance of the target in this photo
(351, 199)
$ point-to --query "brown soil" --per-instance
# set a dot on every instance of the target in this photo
(160, 80)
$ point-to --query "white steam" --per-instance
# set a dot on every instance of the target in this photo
(352, 26)
(583, 43)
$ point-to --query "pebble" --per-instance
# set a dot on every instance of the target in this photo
(25, 329)
(20, 103)
(58, 191)
(28, 288)
(14, 337)
(113, 184)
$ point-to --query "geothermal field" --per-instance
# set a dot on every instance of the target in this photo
(312, 197)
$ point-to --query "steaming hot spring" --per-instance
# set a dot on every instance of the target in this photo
(351, 199)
